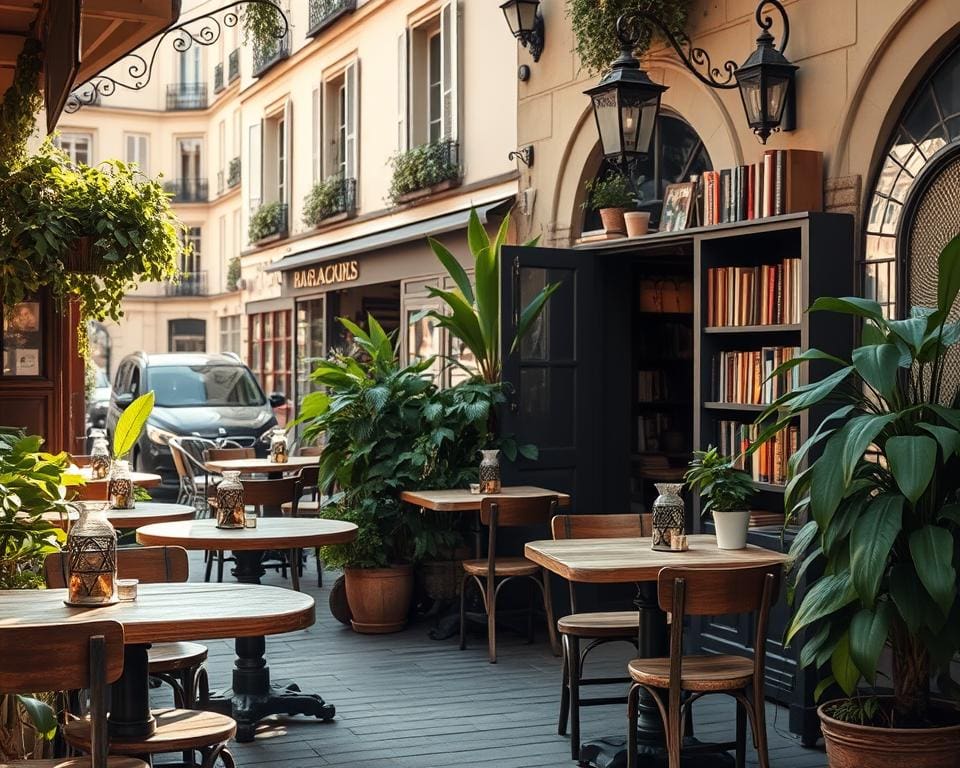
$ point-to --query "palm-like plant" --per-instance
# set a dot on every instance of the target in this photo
(474, 316)
(882, 499)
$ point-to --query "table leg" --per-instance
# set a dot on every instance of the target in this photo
(253, 697)
(130, 716)
(249, 565)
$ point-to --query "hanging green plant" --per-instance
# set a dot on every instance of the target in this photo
(21, 102)
(262, 23)
(594, 25)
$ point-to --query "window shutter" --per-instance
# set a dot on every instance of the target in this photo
(403, 90)
(450, 73)
(288, 148)
(255, 165)
(351, 79)
(316, 138)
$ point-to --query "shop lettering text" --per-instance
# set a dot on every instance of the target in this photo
(341, 272)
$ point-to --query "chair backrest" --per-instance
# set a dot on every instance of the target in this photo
(86, 655)
(311, 450)
(89, 492)
(272, 493)
(149, 565)
(601, 526)
(224, 454)
(80, 459)
(506, 512)
(310, 476)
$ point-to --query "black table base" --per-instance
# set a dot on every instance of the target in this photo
(612, 753)
(130, 716)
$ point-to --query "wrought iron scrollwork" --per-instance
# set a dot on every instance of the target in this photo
(202, 31)
(634, 26)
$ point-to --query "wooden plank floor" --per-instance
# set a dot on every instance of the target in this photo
(406, 701)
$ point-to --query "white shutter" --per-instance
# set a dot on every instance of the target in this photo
(317, 135)
(288, 149)
(403, 90)
(351, 79)
(136, 151)
(450, 69)
(255, 165)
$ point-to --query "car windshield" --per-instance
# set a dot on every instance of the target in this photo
(181, 386)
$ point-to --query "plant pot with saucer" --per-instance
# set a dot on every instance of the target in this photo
(725, 491)
(611, 196)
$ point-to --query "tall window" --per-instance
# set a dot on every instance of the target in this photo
(187, 335)
(77, 146)
(342, 130)
(138, 150)
(230, 334)
(282, 160)
(190, 256)
(190, 158)
(190, 65)
(270, 350)
(340, 108)
(435, 87)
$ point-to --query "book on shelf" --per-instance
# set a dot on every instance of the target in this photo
(650, 429)
(769, 294)
(747, 377)
(768, 464)
(598, 236)
(785, 181)
(652, 386)
(760, 518)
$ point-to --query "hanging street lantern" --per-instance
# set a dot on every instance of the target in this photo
(526, 24)
(766, 82)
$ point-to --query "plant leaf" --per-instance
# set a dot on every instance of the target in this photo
(531, 312)
(868, 634)
(949, 439)
(829, 594)
(877, 365)
(912, 460)
(822, 686)
(850, 305)
(41, 715)
(948, 276)
(131, 424)
(841, 665)
(931, 548)
(454, 269)
(870, 543)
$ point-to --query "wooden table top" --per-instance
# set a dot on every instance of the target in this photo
(172, 612)
(270, 533)
(143, 479)
(461, 500)
(292, 464)
(614, 561)
(146, 512)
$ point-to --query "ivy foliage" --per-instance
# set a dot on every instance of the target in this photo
(261, 23)
(325, 199)
(595, 22)
(422, 167)
(612, 191)
(267, 220)
(21, 102)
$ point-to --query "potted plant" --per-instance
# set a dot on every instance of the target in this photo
(268, 222)
(610, 195)
(727, 491)
(882, 531)
(327, 199)
(423, 171)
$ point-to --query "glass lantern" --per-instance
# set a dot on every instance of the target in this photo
(668, 517)
(278, 446)
(230, 501)
(120, 486)
(100, 458)
(490, 472)
(92, 558)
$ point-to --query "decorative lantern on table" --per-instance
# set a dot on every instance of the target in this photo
(120, 485)
(100, 457)
(490, 472)
(230, 501)
(668, 517)
(278, 446)
(92, 558)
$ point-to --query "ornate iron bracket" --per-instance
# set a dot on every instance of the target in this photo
(632, 26)
(203, 30)
(524, 155)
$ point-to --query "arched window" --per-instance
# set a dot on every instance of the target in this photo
(915, 206)
(678, 153)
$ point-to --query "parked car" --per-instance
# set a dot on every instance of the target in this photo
(213, 396)
(98, 403)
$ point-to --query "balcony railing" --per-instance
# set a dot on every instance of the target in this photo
(329, 198)
(324, 12)
(218, 78)
(188, 190)
(425, 170)
(187, 96)
(233, 172)
(191, 284)
(233, 65)
(265, 56)
(268, 221)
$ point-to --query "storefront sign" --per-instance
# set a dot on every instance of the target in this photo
(314, 277)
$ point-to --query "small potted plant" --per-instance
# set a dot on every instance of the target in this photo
(610, 195)
(726, 490)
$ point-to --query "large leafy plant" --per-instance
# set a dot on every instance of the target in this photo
(387, 429)
(474, 314)
(884, 514)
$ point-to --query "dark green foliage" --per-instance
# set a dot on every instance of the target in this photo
(612, 191)
(21, 103)
(422, 167)
(262, 24)
(265, 221)
(323, 201)
(714, 477)
(233, 273)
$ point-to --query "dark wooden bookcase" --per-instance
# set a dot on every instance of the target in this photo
(823, 243)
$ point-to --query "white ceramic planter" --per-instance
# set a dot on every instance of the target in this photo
(731, 529)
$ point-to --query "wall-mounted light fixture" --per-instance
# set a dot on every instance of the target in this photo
(526, 24)
(524, 155)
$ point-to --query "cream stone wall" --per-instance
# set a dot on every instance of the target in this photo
(858, 59)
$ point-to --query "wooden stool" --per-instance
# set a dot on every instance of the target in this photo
(595, 629)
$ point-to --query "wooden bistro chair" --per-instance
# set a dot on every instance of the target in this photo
(180, 665)
(707, 592)
(491, 573)
(309, 477)
(594, 629)
(225, 454)
(89, 492)
(87, 655)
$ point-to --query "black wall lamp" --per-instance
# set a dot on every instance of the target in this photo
(626, 101)
(526, 24)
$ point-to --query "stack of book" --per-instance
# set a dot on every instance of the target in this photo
(747, 377)
(650, 427)
(766, 295)
(652, 386)
(768, 464)
(787, 181)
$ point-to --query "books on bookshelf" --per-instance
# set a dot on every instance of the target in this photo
(652, 429)
(747, 377)
(668, 340)
(768, 464)
(769, 294)
(652, 386)
(786, 181)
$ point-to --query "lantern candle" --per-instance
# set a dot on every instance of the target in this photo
(668, 518)
(278, 446)
(92, 558)
(120, 486)
(230, 508)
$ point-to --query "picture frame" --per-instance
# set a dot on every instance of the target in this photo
(24, 318)
(678, 206)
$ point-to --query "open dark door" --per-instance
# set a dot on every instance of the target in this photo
(553, 381)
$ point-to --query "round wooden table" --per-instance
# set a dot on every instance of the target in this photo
(261, 466)
(145, 513)
(173, 612)
(143, 479)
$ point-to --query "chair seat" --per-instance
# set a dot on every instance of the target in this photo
(606, 624)
(177, 729)
(505, 566)
(304, 508)
(173, 657)
(77, 762)
(698, 673)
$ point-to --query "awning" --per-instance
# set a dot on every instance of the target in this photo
(387, 238)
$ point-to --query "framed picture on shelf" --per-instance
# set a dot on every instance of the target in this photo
(678, 206)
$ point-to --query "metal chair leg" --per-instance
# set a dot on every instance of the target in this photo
(564, 690)
(573, 665)
(632, 699)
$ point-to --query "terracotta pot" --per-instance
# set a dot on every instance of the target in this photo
(379, 598)
(612, 219)
(638, 223)
(865, 746)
